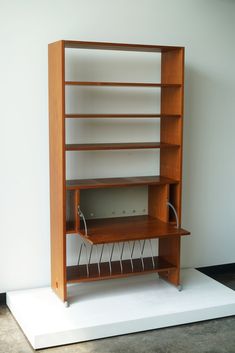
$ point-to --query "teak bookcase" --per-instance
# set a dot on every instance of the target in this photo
(164, 191)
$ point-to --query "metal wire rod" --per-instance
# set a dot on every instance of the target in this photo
(80, 252)
(151, 249)
(110, 259)
(97, 258)
(90, 254)
(132, 268)
(85, 246)
(141, 257)
(120, 258)
(101, 254)
(175, 213)
(84, 220)
(132, 252)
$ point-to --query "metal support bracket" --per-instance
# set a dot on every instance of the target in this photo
(175, 213)
(80, 213)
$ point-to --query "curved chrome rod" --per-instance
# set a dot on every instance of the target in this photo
(175, 213)
(141, 254)
(132, 268)
(151, 249)
(80, 252)
(89, 261)
(97, 258)
(120, 256)
(85, 246)
(84, 220)
(110, 258)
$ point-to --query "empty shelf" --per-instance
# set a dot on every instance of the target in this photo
(119, 46)
(120, 84)
(122, 115)
(117, 146)
(117, 182)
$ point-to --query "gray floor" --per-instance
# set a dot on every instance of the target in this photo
(214, 336)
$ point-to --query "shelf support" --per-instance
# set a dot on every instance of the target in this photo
(80, 213)
(175, 213)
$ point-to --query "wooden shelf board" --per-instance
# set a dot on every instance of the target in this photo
(119, 229)
(121, 84)
(122, 116)
(117, 182)
(117, 146)
(119, 46)
(79, 273)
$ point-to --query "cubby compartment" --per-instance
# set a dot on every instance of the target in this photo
(128, 213)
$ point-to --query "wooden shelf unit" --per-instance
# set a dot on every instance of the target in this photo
(160, 222)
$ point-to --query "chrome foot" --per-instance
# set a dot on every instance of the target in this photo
(66, 304)
(179, 287)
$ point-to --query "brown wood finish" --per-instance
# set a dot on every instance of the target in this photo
(57, 169)
(118, 146)
(76, 274)
(77, 203)
(84, 116)
(157, 202)
(172, 70)
(124, 84)
(169, 250)
(119, 229)
(117, 182)
(159, 221)
(119, 46)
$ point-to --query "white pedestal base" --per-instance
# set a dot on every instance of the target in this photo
(116, 307)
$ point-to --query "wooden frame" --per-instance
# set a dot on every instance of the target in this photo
(167, 187)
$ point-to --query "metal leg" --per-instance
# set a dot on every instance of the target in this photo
(180, 287)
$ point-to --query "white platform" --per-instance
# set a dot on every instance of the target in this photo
(116, 307)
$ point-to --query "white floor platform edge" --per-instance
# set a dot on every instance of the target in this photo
(115, 307)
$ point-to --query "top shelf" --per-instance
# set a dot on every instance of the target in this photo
(119, 46)
(120, 84)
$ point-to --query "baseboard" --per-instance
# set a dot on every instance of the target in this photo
(217, 269)
(3, 299)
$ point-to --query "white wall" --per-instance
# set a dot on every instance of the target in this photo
(205, 28)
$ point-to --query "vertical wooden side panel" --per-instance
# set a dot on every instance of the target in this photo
(169, 250)
(57, 168)
(172, 71)
(171, 159)
(157, 199)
